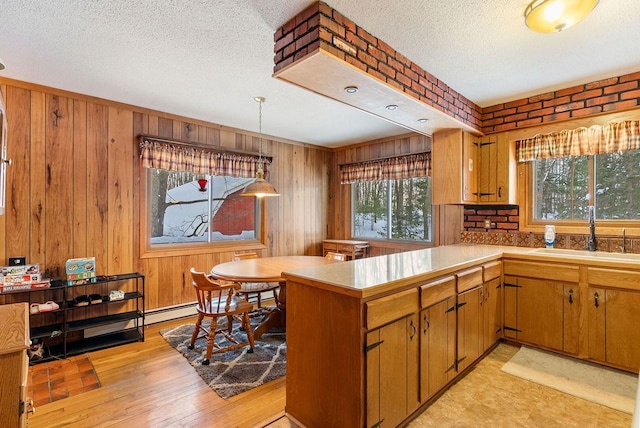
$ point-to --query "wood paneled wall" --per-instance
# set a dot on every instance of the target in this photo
(74, 188)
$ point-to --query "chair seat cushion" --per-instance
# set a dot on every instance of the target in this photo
(255, 287)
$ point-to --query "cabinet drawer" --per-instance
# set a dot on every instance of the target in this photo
(568, 273)
(327, 246)
(491, 270)
(390, 308)
(467, 279)
(614, 278)
(437, 291)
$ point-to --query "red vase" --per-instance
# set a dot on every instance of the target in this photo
(203, 184)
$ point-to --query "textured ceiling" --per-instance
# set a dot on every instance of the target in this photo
(207, 59)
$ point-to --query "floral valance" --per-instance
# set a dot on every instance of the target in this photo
(409, 166)
(178, 156)
(597, 139)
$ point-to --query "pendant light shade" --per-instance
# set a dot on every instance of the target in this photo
(551, 16)
(260, 188)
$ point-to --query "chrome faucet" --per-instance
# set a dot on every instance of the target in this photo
(622, 248)
(591, 242)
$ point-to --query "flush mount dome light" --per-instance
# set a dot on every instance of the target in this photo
(423, 120)
(552, 16)
(391, 107)
(351, 89)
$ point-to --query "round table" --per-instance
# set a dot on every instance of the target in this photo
(267, 269)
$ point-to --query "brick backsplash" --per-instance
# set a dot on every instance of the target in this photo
(322, 28)
(504, 231)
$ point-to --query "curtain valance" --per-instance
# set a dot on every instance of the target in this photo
(403, 167)
(597, 139)
(178, 156)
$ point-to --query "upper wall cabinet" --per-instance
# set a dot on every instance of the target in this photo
(472, 170)
(454, 159)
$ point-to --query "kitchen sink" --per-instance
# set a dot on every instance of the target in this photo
(588, 254)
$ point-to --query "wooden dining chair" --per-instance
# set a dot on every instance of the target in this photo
(335, 256)
(257, 288)
(216, 300)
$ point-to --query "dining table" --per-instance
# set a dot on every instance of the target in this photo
(268, 269)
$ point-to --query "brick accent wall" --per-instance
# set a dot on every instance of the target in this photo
(502, 218)
(319, 27)
(602, 96)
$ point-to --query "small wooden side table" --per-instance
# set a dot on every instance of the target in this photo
(351, 249)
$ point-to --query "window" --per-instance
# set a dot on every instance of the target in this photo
(393, 209)
(565, 187)
(184, 210)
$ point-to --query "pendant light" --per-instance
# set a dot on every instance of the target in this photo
(551, 16)
(260, 187)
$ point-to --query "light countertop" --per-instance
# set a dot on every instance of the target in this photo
(374, 275)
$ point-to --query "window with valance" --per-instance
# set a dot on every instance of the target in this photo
(194, 193)
(595, 140)
(391, 197)
(572, 169)
(393, 168)
(177, 156)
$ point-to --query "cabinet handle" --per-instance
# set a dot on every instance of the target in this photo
(414, 330)
(500, 191)
(596, 297)
(427, 325)
(571, 296)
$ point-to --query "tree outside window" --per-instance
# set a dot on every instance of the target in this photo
(182, 210)
(565, 187)
(393, 209)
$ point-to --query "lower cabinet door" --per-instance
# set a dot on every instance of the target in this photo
(392, 372)
(470, 323)
(492, 313)
(437, 347)
(613, 317)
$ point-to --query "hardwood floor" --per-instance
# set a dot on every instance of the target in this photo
(151, 385)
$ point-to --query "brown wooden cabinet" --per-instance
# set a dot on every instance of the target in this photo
(496, 170)
(454, 155)
(535, 303)
(469, 169)
(14, 341)
(469, 317)
(392, 372)
(492, 304)
(392, 358)
(438, 336)
(613, 317)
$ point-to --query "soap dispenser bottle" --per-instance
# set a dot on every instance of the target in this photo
(549, 236)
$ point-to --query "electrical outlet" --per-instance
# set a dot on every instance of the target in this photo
(487, 223)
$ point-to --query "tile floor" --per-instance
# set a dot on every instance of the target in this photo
(58, 379)
(487, 397)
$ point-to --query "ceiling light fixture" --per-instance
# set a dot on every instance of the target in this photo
(351, 89)
(391, 107)
(551, 16)
(423, 120)
(260, 187)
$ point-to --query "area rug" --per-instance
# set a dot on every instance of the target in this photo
(233, 372)
(598, 384)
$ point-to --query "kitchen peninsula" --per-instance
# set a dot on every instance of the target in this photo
(372, 341)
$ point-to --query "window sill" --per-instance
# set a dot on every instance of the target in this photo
(172, 250)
